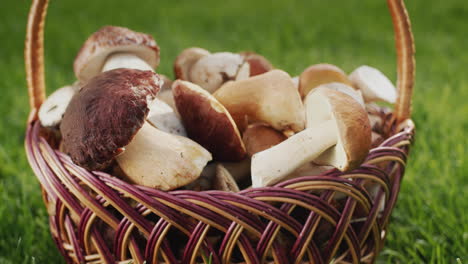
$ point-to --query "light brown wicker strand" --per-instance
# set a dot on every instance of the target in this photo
(405, 59)
(34, 55)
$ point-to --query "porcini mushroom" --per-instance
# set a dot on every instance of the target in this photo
(115, 47)
(224, 181)
(239, 170)
(53, 108)
(186, 59)
(106, 120)
(258, 137)
(318, 74)
(258, 63)
(208, 122)
(341, 87)
(270, 97)
(375, 86)
(337, 134)
(211, 71)
(163, 117)
(205, 181)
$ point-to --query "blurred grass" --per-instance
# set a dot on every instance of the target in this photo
(430, 223)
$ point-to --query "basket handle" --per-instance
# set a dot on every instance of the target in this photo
(34, 57)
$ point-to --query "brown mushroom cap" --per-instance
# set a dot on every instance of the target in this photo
(318, 74)
(338, 134)
(354, 131)
(108, 40)
(186, 60)
(105, 115)
(270, 97)
(258, 137)
(208, 122)
(224, 181)
(258, 63)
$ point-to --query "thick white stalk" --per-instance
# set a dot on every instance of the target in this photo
(274, 164)
(161, 160)
(125, 60)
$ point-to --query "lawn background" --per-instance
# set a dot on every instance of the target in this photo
(430, 222)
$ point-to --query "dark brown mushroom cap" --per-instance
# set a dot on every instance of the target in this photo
(208, 122)
(111, 39)
(105, 115)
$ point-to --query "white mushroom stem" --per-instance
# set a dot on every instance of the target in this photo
(125, 60)
(160, 160)
(274, 164)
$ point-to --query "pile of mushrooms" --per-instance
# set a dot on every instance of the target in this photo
(227, 121)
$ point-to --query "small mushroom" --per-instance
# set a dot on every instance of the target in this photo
(239, 170)
(258, 63)
(377, 139)
(375, 86)
(53, 108)
(106, 120)
(163, 117)
(337, 134)
(208, 122)
(258, 137)
(186, 59)
(224, 181)
(341, 87)
(205, 181)
(115, 47)
(318, 74)
(270, 97)
(211, 71)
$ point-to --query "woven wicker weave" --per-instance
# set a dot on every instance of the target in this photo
(97, 218)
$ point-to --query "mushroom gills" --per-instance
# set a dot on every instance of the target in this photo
(125, 60)
(293, 153)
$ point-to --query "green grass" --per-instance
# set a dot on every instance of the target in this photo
(430, 223)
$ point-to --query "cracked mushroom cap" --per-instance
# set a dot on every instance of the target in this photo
(105, 114)
(109, 40)
(211, 71)
(318, 74)
(186, 59)
(208, 122)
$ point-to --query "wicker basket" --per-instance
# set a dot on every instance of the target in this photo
(97, 218)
